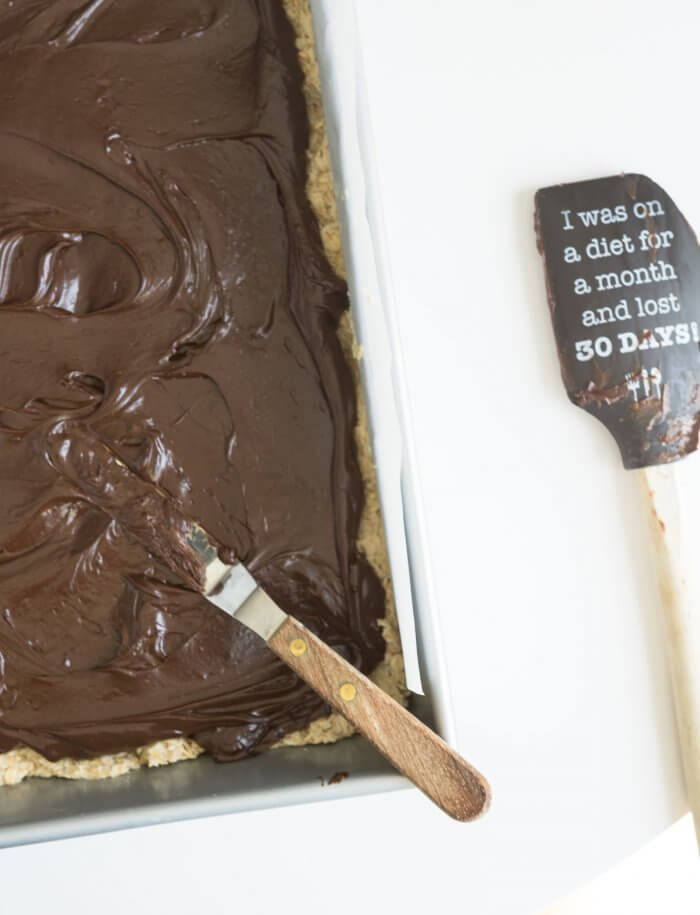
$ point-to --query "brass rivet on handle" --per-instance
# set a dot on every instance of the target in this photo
(347, 692)
(297, 647)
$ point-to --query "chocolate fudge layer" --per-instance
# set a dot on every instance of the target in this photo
(162, 281)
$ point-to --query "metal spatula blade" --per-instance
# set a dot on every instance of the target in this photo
(239, 596)
(151, 517)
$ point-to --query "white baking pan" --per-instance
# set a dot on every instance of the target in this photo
(38, 810)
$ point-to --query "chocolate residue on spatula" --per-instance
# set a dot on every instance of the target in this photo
(622, 267)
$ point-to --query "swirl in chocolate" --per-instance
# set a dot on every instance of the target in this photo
(162, 284)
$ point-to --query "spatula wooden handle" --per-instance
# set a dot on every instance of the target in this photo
(406, 742)
(680, 599)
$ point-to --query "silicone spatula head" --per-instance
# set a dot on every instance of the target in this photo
(622, 268)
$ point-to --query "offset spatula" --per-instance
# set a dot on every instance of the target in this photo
(152, 518)
(623, 278)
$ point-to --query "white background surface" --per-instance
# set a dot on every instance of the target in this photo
(660, 879)
(539, 539)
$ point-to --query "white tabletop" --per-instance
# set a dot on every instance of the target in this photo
(547, 594)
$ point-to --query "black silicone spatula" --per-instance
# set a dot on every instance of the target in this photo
(622, 267)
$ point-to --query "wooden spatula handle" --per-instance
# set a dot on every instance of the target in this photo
(406, 742)
(680, 598)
